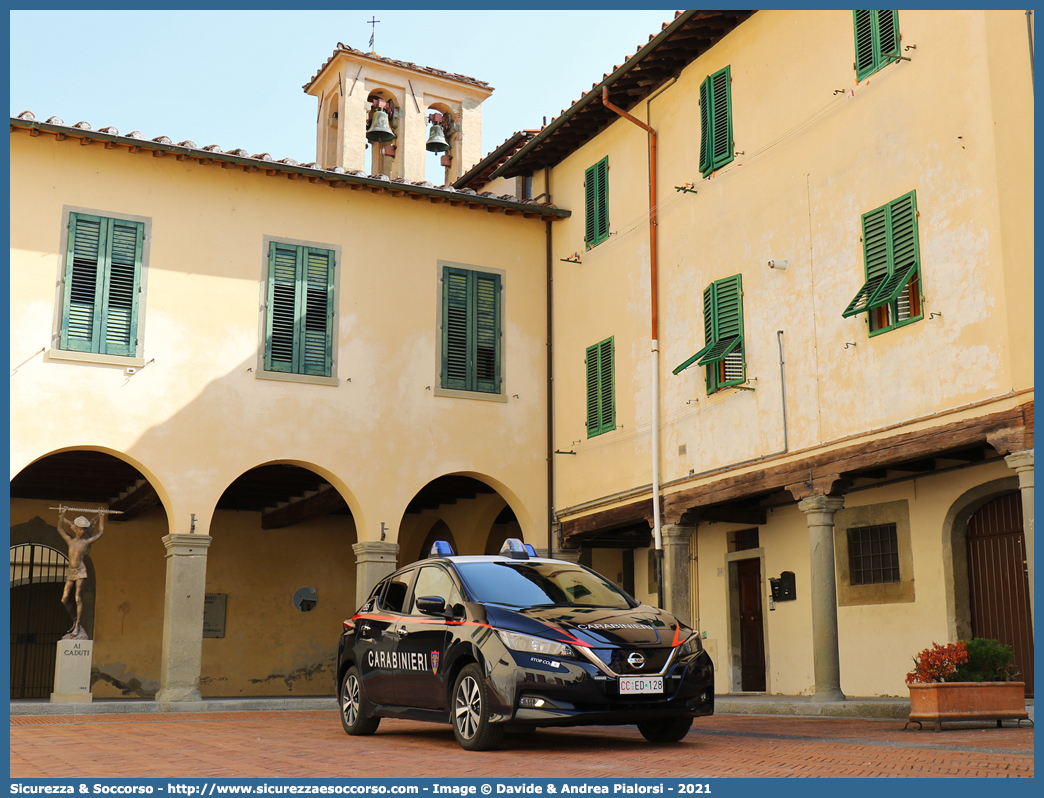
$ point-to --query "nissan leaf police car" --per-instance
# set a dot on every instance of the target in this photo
(512, 642)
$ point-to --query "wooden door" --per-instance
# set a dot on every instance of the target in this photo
(752, 633)
(999, 581)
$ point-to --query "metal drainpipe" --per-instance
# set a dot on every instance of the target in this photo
(655, 344)
(550, 386)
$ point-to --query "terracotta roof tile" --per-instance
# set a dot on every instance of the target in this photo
(84, 129)
(343, 48)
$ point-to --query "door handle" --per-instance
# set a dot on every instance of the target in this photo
(402, 631)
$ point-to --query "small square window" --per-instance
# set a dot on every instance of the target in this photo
(873, 554)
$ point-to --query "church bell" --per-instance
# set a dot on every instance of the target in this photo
(380, 131)
(436, 139)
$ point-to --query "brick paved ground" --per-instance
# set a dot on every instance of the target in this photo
(312, 744)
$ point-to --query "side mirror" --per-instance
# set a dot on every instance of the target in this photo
(431, 605)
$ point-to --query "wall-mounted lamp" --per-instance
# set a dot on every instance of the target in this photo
(779, 265)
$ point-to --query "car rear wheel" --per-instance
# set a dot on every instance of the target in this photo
(353, 718)
(665, 731)
(471, 724)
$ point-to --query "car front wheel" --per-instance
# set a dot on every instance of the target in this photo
(665, 731)
(353, 718)
(471, 724)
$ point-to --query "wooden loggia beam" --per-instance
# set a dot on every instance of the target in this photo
(325, 501)
(132, 502)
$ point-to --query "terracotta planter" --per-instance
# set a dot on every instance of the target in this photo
(939, 702)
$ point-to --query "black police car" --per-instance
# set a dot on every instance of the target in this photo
(510, 642)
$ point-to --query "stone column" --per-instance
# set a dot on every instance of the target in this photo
(819, 512)
(677, 544)
(183, 617)
(374, 560)
(1022, 463)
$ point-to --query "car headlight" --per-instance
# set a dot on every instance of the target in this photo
(534, 645)
(692, 645)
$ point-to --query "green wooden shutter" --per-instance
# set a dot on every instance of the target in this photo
(890, 252)
(716, 146)
(282, 310)
(887, 35)
(102, 284)
(487, 332)
(601, 388)
(455, 329)
(596, 199)
(471, 330)
(866, 61)
(607, 384)
(708, 329)
(593, 416)
(299, 325)
(119, 318)
(317, 332)
(82, 294)
(705, 127)
(721, 107)
(590, 194)
(876, 40)
(903, 251)
(875, 258)
(727, 319)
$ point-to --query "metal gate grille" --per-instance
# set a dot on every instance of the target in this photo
(38, 619)
(1000, 600)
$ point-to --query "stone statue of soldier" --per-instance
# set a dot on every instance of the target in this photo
(82, 533)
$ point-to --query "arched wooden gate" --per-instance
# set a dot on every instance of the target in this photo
(38, 619)
(999, 581)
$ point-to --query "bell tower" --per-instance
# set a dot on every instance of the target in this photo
(389, 117)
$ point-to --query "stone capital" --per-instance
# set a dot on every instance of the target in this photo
(821, 504)
(676, 534)
(180, 545)
(375, 551)
(1020, 463)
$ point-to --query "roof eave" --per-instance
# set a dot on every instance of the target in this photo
(329, 176)
(596, 92)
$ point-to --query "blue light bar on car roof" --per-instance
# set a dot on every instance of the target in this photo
(441, 548)
(530, 549)
(515, 549)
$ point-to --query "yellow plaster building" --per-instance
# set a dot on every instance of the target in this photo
(791, 300)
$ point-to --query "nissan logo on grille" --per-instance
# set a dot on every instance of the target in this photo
(635, 660)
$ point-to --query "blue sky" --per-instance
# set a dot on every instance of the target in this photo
(234, 78)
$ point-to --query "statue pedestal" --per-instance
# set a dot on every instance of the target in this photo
(72, 672)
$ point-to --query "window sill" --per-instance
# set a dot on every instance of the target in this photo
(281, 376)
(98, 359)
(896, 326)
(482, 397)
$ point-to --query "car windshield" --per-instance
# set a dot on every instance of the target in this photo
(540, 584)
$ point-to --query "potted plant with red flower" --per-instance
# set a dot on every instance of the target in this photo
(965, 681)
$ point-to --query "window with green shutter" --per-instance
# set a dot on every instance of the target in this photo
(722, 353)
(716, 146)
(299, 310)
(101, 287)
(890, 294)
(876, 40)
(601, 397)
(596, 203)
(471, 330)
